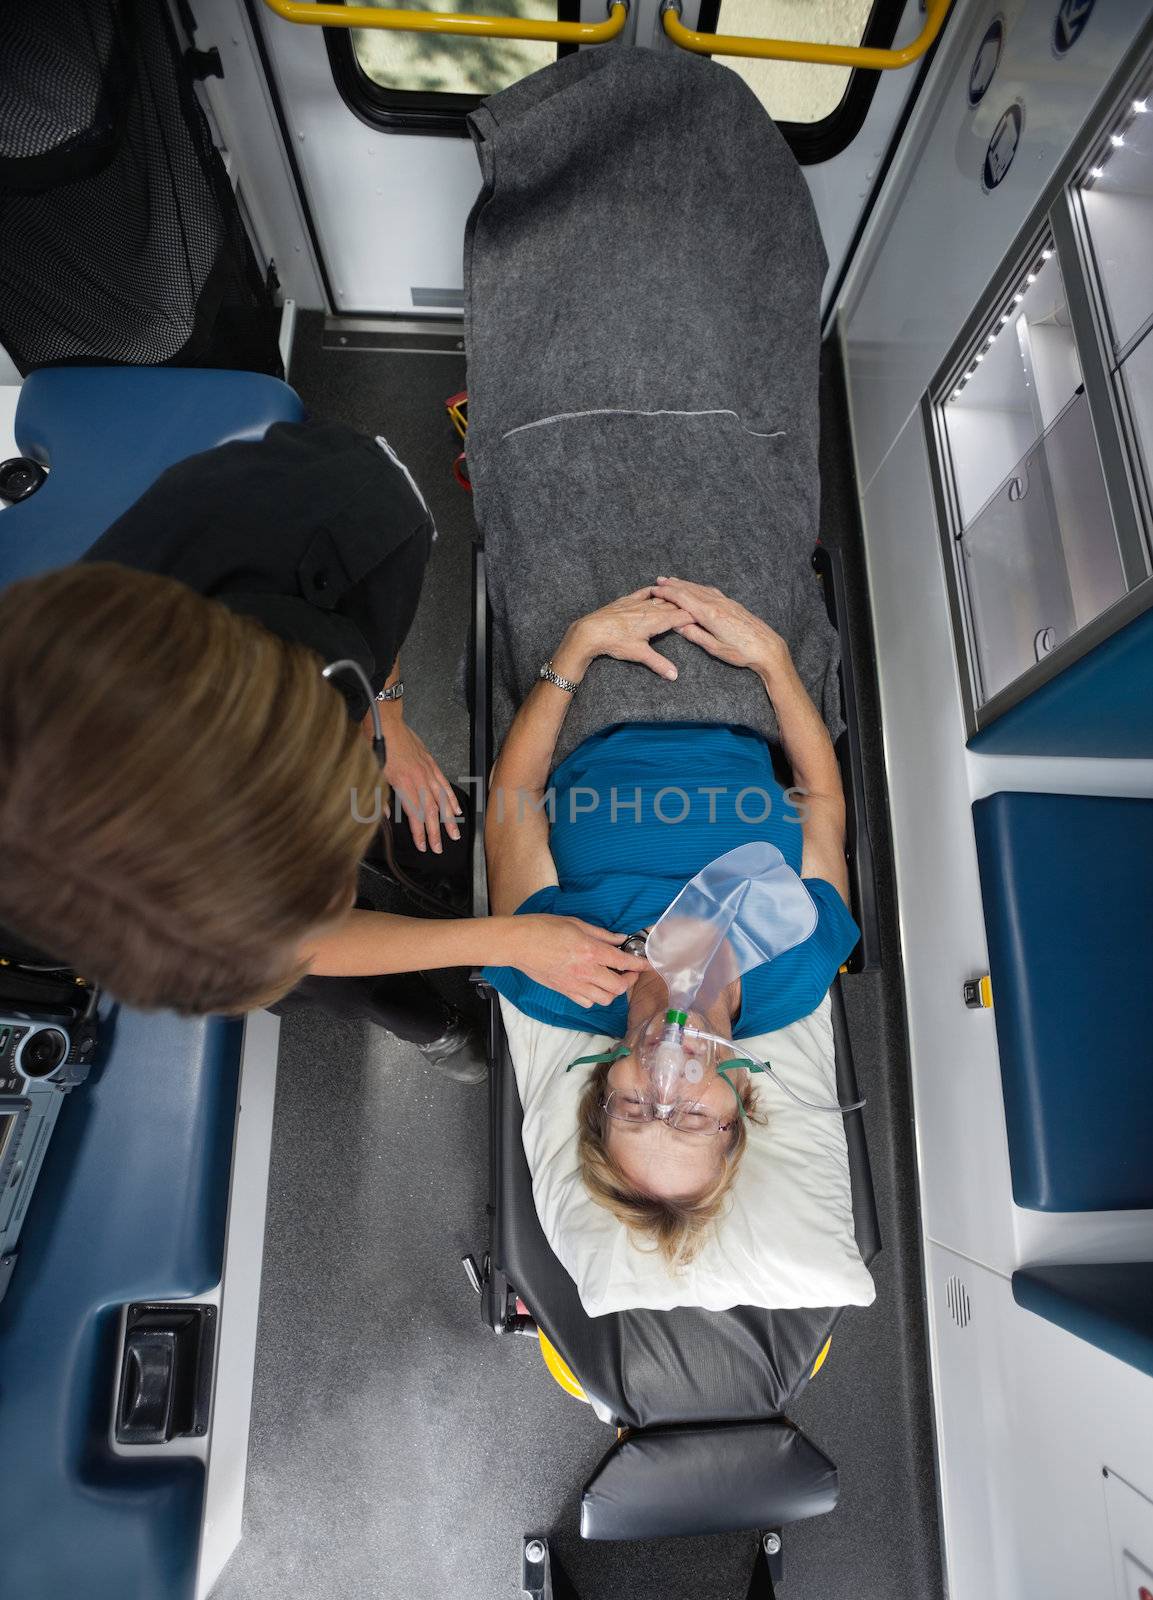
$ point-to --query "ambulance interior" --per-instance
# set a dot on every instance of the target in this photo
(309, 1216)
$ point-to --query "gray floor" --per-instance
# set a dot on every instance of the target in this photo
(398, 1448)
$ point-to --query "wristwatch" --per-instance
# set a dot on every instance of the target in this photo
(634, 945)
(547, 675)
(395, 692)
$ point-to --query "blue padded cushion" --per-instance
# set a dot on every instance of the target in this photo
(1109, 1305)
(1067, 882)
(132, 1198)
(107, 433)
(1102, 705)
(131, 1204)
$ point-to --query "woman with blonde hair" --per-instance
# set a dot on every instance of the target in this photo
(665, 1172)
(613, 833)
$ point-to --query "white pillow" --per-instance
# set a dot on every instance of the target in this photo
(786, 1237)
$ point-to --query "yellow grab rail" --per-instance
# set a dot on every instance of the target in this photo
(827, 55)
(401, 21)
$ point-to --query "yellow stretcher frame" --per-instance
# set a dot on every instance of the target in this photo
(561, 1370)
(570, 1383)
(334, 15)
(822, 55)
(459, 22)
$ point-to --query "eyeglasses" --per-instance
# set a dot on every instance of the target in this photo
(684, 1117)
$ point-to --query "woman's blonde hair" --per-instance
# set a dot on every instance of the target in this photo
(677, 1228)
(175, 789)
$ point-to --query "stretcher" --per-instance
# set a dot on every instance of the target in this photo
(696, 1398)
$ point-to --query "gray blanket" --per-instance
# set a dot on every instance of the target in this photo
(642, 279)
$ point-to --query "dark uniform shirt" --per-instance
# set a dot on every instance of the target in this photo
(318, 532)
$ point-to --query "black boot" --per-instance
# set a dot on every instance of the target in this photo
(459, 1053)
(406, 1005)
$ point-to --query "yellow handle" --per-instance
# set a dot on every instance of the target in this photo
(401, 21)
(825, 55)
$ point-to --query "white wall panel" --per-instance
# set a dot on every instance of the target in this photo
(9, 398)
(841, 186)
(389, 208)
(962, 1147)
(1029, 1417)
(973, 1431)
(241, 104)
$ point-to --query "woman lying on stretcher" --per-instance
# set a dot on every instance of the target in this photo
(612, 835)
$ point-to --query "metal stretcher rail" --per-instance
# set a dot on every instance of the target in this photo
(399, 20)
(825, 55)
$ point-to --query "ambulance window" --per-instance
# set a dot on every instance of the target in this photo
(430, 81)
(820, 108)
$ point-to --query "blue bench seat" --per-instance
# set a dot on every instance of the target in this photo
(1067, 885)
(1108, 1304)
(107, 433)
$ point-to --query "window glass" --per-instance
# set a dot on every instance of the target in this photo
(1137, 375)
(1037, 550)
(1041, 559)
(794, 91)
(1022, 374)
(439, 63)
(1117, 199)
(1117, 195)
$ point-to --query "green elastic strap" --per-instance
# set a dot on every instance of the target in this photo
(722, 1072)
(595, 1061)
(731, 1066)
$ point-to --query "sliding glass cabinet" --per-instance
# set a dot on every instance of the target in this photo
(1041, 422)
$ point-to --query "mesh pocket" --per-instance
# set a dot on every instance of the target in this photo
(120, 237)
(63, 90)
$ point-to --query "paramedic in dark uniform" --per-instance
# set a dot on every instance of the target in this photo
(179, 814)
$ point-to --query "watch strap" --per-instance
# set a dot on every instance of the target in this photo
(547, 675)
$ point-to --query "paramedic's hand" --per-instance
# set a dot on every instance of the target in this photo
(425, 794)
(621, 630)
(583, 963)
(724, 627)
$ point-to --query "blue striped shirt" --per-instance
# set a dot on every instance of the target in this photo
(638, 810)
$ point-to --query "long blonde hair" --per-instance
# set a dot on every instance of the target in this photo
(175, 783)
(677, 1228)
